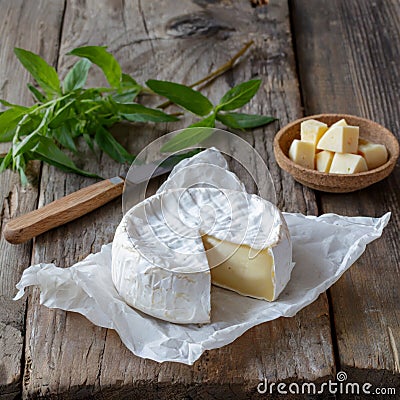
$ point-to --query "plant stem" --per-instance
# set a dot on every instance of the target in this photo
(226, 67)
(177, 114)
(215, 74)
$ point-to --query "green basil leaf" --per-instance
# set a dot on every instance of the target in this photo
(6, 161)
(61, 115)
(8, 104)
(137, 113)
(27, 144)
(77, 75)
(22, 175)
(48, 152)
(44, 74)
(76, 126)
(39, 96)
(7, 134)
(128, 81)
(89, 142)
(20, 164)
(239, 95)
(32, 139)
(182, 95)
(111, 146)
(208, 122)
(128, 91)
(244, 121)
(107, 121)
(28, 123)
(8, 122)
(91, 93)
(187, 138)
(102, 58)
(64, 136)
(126, 96)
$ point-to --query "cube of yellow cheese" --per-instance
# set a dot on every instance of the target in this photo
(375, 154)
(340, 139)
(341, 122)
(312, 130)
(345, 163)
(323, 160)
(302, 153)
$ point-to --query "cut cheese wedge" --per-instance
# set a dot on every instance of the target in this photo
(340, 139)
(341, 122)
(302, 153)
(312, 130)
(168, 250)
(375, 154)
(343, 163)
(237, 269)
(323, 160)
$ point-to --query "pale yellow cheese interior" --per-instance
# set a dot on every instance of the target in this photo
(375, 154)
(341, 122)
(240, 268)
(340, 139)
(337, 149)
(344, 163)
(302, 153)
(312, 131)
(323, 160)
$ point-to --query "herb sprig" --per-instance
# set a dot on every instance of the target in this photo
(65, 110)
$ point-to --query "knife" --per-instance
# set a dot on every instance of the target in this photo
(81, 202)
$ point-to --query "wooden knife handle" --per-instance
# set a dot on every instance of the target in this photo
(63, 210)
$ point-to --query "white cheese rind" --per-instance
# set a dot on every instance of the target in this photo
(282, 254)
(206, 169)
(159, 264)
(156, 291)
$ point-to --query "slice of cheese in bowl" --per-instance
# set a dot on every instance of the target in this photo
(340, 139)
(323, 160)
(312, 130)
(165, 249)
(345, 163)
(375, 154)
(302, 153)
(341, 122)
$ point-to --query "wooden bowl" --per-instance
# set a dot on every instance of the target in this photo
(336, 183)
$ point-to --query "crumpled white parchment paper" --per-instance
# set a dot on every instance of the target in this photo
(323, 249)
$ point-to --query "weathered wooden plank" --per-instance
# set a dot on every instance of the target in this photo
(68, 356)
(348, 61)
(24, 26)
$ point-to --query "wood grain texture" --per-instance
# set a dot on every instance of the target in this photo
(65, 354)
(30, 28)
(348, 61)
(63, 210)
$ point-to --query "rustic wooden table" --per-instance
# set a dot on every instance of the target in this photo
(313, 56)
